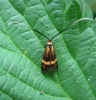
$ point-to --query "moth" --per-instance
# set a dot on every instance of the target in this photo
(49, 59)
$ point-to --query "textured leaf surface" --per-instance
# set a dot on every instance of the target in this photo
(21, 51)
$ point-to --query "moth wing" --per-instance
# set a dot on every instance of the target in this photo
(54, 63)
(46, 60)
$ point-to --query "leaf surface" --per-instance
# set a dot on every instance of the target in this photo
(21, 50)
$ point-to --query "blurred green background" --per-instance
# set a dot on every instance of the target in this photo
(91, 3)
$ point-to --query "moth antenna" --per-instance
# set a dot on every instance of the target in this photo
(72, 25)
(41, 34)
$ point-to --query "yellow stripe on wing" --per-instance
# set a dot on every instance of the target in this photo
(53, 62)
(46, 62)
(49, 62)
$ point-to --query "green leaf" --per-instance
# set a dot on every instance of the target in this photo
(21, 50)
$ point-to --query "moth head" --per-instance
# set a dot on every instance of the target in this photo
(49, 43)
